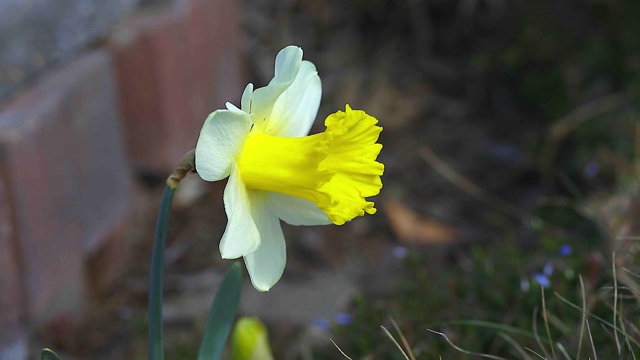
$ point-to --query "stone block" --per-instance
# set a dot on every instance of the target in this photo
(172, 64)
(34, 35)
(62, 161)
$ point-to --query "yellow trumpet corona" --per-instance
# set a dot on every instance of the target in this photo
(335, 169)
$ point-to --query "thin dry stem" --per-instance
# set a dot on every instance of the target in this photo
(463, 350)
(515, 345)
(186, 165)
(625, 333)
(538, 355)
(601, 320)
(467, 185)
(628, 237)
(563, 351)
(546, 324)
(535, 332)
(584, 316)
(394, 341)
(593, 345)
(615, 301)
(637, 150)
(405, 343)
(338, 347)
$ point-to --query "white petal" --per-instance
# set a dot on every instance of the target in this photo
(287, 62)
(231, 107)
(286, 68)
(295, 110)
(241, 235)
(220, 141)
(266, 264)
(245, 101)
(296, 211)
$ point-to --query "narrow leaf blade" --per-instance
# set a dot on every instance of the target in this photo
(222, 315)
(48, 354)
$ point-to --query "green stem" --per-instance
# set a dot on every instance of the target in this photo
(155, 341)
(157, 274)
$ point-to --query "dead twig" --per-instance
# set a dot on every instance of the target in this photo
(567, 124)
(467, 185)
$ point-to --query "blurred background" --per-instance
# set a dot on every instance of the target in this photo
(507, 219)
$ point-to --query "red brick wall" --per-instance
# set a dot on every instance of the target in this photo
(193, 67)
(68, 146)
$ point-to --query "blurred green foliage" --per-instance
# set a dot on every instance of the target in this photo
(555, 58)
(565, 53)
(479, 297)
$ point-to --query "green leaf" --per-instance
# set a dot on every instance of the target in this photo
(222, 315)
(48, 354)
(155, 344)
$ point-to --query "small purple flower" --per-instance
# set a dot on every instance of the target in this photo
(592, 169)
(548, 268)
(400, 252)
(565, 250)
(542, 279)
(524, 284)
(343, 318)
(321, 324)
(505, 152)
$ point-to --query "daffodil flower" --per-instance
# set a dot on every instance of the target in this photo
(277, 172)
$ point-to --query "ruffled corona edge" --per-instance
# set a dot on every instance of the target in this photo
(350, 153)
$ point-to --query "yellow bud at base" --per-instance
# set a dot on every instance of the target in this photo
(335, 169)
(251, 340)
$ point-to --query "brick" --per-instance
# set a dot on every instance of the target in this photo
(62, 161)
(13, 343)
(213, 40)
(172, 66)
